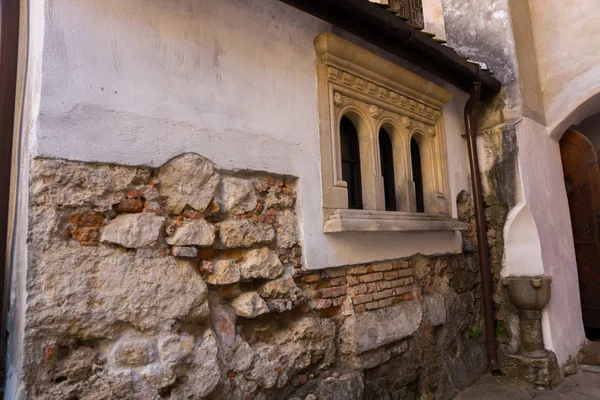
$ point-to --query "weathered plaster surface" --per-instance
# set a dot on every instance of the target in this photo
(139, 82)
(566, 44)
(482, 31)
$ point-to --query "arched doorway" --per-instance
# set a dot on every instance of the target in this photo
(582, 181)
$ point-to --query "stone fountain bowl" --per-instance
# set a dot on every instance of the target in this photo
(528, 292)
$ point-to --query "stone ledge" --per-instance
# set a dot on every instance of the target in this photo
(345, 220)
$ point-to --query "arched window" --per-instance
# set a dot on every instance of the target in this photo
(351, 162)
(415, 155)
(387, 170)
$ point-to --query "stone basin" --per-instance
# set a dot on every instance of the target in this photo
(528, 292)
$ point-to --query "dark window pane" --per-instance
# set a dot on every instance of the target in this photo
(351, 162)
(415, 155)
(386, 155)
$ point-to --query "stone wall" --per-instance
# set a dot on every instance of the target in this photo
(187, 282)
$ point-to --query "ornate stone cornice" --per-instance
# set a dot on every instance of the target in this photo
(375, 76)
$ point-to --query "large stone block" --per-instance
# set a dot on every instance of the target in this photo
(349, 386)
(92, 292)
(134, 353)
(370, 330)
(307, 341)
(189, 179)
(436, 309)
(245, 233)
(225, 272)
(133, 230)
(196, 232)
(78, 184)
(205, 373)
(261, 263)
(282, 288)
(286, 230)
(236, 195)
(249, 305)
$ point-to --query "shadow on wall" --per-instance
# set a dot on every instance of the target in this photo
(523, 252)
(590, 127)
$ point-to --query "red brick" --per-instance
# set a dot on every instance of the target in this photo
(87, 219)
(193, 214)
(382, 267)
(338, 302)
(333, 292)
(392, 284)
(322, 284)
(385, 303)
(337, 281)
(372, 287)
(132, 194)
(352, 280)
(86, 236)
(426, 329)
(335, 273)
(377, 276)
(320, 303)
(129, 206)
(311, 278)
(372, 305)
(384, 294)
(357, 270)
(360, 308)
(390, 275)
(402, 290)
(359, 289)
(401, 264)
(385, 285)
(49, 353)
(365, 298)
(405, 272)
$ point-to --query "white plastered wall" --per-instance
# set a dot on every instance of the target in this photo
(544, 209)
(138, 82)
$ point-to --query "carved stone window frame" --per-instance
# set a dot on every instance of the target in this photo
(375, 93)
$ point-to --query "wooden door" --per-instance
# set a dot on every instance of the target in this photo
(582, 180)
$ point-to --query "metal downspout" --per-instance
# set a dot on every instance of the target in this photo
(9, 42)
(484, 264)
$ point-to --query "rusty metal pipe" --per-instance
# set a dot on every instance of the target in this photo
(484, 264)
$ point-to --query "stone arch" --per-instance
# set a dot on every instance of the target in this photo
(371, 179)
(588, 105)
(523, 250)
(401, 160)
(430, 199)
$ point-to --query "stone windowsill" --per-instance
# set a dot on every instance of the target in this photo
(344, 220)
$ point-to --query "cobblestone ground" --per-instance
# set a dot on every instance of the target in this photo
(584, 385)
